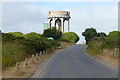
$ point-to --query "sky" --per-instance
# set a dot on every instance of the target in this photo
(28, 17)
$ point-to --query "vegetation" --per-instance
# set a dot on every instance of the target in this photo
(99, 41)
(95, 45)
(71, 37)
(112, 41)
(102, 34)
(54, 33)
(89, 34)
(12, 52)
(32, 36)
(17, 34)
(17, 46)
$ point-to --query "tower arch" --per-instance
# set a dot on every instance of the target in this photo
(58, 24)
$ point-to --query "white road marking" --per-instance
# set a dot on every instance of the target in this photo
(45, 66)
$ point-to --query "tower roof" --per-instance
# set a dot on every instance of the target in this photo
(59, 14)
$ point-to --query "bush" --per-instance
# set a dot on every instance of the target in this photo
(23, 46)
(54, 33)
(70, 36)
(32, 36)
(17, 34)
(113, 40)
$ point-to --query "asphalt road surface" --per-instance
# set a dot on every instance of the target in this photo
(74, 62)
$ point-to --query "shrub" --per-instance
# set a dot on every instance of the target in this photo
(32, 36)
(113, 40)
(70, 36)
(17, 34)
(54, 33)
(23, 46)
(8, 37)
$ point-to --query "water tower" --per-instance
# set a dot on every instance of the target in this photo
(58, 18)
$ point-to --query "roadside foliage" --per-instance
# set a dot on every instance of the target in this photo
(16, 46)
(109, 44)
(70, 36)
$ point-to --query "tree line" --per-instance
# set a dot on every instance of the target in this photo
(99, 41)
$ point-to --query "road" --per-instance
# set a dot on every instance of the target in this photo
(74, 62)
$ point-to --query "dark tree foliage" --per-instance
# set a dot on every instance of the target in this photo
(54, 33)
(102, 34)
(89, 34)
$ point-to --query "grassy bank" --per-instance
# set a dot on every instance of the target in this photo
(27, 71)
(94, 46)
(17, 48)
(99, 48)
(105, 48)
(99, 45)
(13, 52)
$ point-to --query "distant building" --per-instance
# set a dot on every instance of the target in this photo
(45, 26)
(58, 18)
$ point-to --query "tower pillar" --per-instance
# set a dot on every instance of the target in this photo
(49, 23)
(68, 25)
(62, 25)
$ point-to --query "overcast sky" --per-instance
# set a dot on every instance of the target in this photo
(29, 16)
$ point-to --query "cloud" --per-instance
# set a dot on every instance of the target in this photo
(29, 17)
(23, 17)
(102, 18)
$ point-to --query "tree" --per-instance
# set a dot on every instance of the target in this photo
(102, 34)
(54, 33)
(89, 34)
(70, 36)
